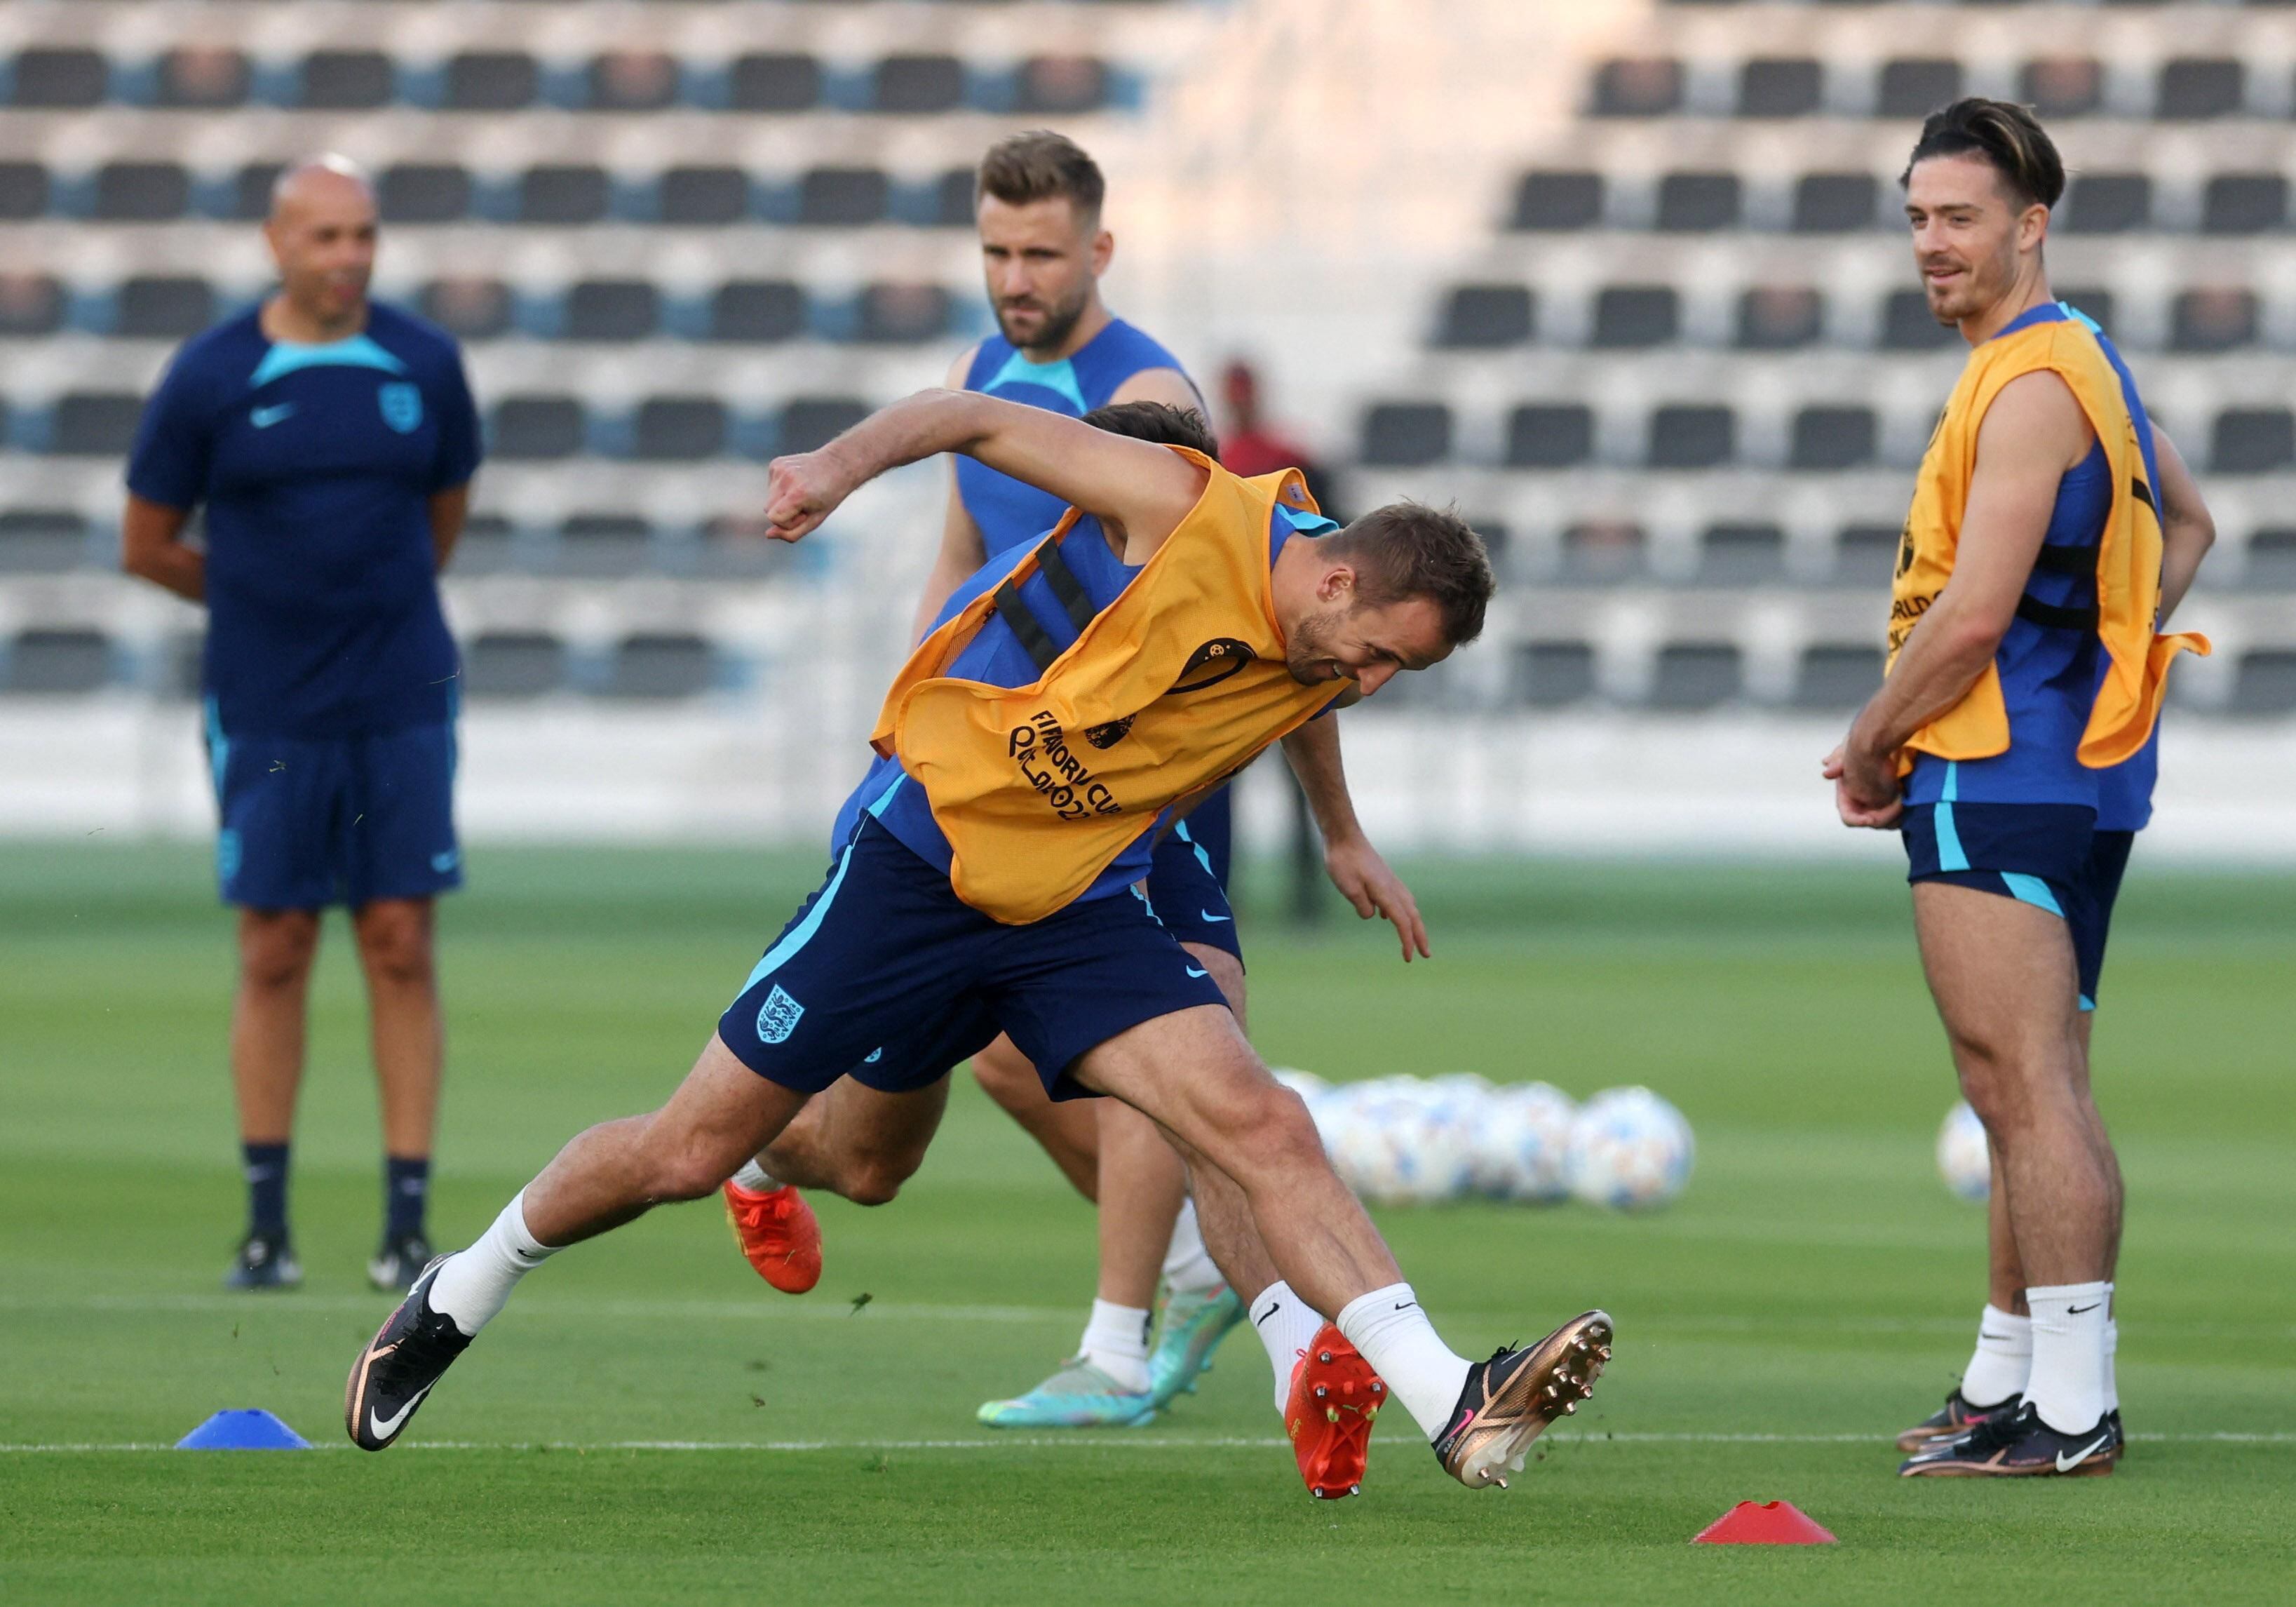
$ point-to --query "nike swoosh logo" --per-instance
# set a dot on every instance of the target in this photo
(2082, 1310)
(383, 1428)
(1997, 1337)
(1405, 1305)
(263, 418)
(1217, 919)
(1195, 972)
(2066, 1465)
(1466, 1417)
(1271, 1311)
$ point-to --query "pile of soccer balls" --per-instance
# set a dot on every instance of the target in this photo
(1414, 1141)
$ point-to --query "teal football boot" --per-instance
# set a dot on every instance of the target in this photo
(1193, 1326)
(1079, 1395)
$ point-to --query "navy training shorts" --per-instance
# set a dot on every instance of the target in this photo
(2049, 856)
(887, 976)
(310, 822)
(1187, 891)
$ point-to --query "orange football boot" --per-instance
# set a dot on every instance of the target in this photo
(1334, 1396)
(778, 1232)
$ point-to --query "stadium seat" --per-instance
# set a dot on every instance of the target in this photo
(164, 307)
(2252, 440)
(659, 666)
(2200, 86)
(1061, 85)
(58, 78)
(1741, 555)
(950, 201)
(1557, 200)
(1486, 316)
(1780, 86)
(680, 429)
(896, 315)
(1648, 86)
(41, 541)
(206, 77)
(690, 196)
(632, 80)
(2270, 562)
(845, 197)
(2263, 683)
(31, 303)
(346, 80)
(1631, 315)
(535, 427)
(2107, 204)
(757, 310)
(94, 423)
(1834, 203)
(490, 80)
(513, 664)
(810, 422)
(1866, 555)
(487, 546)
(2244, 203)
(564, 193)
(471, 308)
(1916, 86)
(142, 192)
(1779, 317)
(249, 196)
(612, 310)
(774, 81)
(424, 193)
(1697, 203)
(1603, 552)
(54, 662)
(1551, 675)
(2213, 320)
(23, 191)
(917, 84)
(1550, 436)
(1695, 675)
(1406, 435)
(604, 546)
(1691, 436)
(1833, 437)
(1836, 679)
(1908, 324)
(2062, 87)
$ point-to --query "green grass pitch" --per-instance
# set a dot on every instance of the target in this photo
(650, 1423)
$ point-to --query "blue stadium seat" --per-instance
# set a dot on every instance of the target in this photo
(1698, 203)
(1908, 324)
(1406, 435)
(1834, 438)
(562, 193)
(2263, 683)
(141, 191)
(1551, 675)
(612, 310)
(1480, 317)
(916, 85)
(164, 307)
(688, 197)
(243, 196)
(346, 80)
(2269, 563)
(603, 546)
(1916, 86)
(680, 429)
(70, 76)
(24, 191)
(1834, 203)
(2244, 203)
(1550, 436)
(757, 310)
(1692, 676)
(2195, 87)
(490, 80)
(488, 546)
(539, 427)
(774, 81)
(94, 423)
(513, 664)
(1632, 315)
(2252, 440)
(2107, 204)
(424, 193)
(1692, 436)
(843, 197)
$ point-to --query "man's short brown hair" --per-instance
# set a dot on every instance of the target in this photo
(1039, 165)
(1407, 550)
(1159, 422)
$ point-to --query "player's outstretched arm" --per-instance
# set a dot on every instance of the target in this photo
(1143, 489)
(1355, 867)
(2187, 529)
(151, 546)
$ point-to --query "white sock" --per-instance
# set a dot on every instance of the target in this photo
(1396, 1337)
(476, 1283)
(2004, 1360)
(1116, 1342)
(2111, 1384)
(1287, 1326)
(1188, 1266)
(755, 1178)
(2067, 1386)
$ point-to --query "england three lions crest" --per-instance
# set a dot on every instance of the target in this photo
(778, 1016)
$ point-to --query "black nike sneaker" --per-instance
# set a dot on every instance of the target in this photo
(1954, 1417)
(264, 1261)
(400, 1262)
(399, 1367)
(2016, 1445)
(1509, 1400)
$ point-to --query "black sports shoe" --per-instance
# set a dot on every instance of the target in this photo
(1508, 1401)
(399, 1365)
(264, 1261)
(400, 1262)
(2018, 1445)
(1956, 1416)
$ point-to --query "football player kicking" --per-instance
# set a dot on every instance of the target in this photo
(989, 884)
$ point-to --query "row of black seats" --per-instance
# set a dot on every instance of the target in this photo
(1786, 317)
(1697, 202)
(1561, 435)
(173, 306)
(555, 193)
(217, 77)
(2185, 88)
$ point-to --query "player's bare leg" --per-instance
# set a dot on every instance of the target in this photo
(1069, 1129)
(394, 938)
(276, 947)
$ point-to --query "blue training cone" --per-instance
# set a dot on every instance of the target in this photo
(253, 1429)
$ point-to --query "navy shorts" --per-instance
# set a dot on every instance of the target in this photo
(2049, 856)
(342, 820)
(1187, 890)
(885, 975)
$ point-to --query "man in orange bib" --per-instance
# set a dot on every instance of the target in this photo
(2052, 530)
(1174, 625)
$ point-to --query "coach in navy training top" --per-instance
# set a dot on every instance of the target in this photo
(331, 442)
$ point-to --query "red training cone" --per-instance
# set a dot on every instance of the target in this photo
(1763, 1523)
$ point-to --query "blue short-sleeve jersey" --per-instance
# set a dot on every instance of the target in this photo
(1010, 512)
(316, 464)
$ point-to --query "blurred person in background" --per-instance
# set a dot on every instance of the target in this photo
(1250, 446)
(330, 441)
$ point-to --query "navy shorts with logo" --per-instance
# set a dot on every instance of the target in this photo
(887, 976)
(308, 822)
(1187, 887)
(2049, 856)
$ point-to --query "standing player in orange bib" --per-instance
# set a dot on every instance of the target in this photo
(988, 884)
(2014, 744)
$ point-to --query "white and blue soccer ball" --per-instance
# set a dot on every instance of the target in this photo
(1629, 1151)
(1521, 1143)
(1397, 1141)
(1962, 1160)
(1307, 1085)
